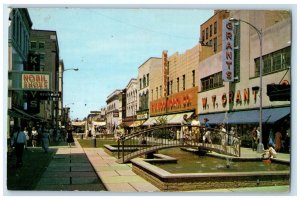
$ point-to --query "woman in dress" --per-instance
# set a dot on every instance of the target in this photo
(70, 138)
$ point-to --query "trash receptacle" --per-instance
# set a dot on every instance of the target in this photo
(94, 141)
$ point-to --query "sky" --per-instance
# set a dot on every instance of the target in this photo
(108, 46)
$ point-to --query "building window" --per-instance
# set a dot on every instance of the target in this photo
(210, 30)
(41, 45)
(148, 79)
(206, 32)
(160, 91)
(183, 82)
(171, 87)
(32, 45)
(215, 44)
(194, 78)
(210, 43)
(177, 84)
(144, 81)
(275, 61)
(42, 57)
(140, 83)
(203, 35)
(152, 95)
(215, 28)
(156, 92)
(212, 81)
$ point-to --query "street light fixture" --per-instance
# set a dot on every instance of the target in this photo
(75, 69)
(260, 146)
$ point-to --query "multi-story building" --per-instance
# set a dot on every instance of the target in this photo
(18, 47)
(173, 88)
(61, 69)
(237, 102)
(45, 44)
(113, 110)
(152, 64)
(211, 30)
(132, 103)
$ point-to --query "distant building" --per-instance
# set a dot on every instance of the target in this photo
(150, 65)
(45, 44)
(112, 110)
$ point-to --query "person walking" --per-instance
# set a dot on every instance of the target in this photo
(184, 129)
(70, 138)
(19, 140)
(195, 128)
(278, 138)
(207, 131)
(27, 137)
(35, 136)
(45, 139)
(254, 138)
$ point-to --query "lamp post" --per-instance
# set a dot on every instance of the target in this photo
(60, 87)
(260, 146)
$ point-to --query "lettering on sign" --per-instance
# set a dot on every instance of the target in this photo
(232, 97)
(35, 81)
(227, 51)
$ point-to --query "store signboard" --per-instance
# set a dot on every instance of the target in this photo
(30, 81)
(227, 51)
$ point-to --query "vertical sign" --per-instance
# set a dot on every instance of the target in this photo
(33, 63)
(227, 51)
(165, 70)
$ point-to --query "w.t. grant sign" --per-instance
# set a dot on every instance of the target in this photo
(30, 80)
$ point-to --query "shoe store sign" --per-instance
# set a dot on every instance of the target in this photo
(33, 81)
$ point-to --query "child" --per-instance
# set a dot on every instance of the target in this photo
(270, 152)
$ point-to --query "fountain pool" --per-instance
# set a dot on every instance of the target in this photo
(194, 172)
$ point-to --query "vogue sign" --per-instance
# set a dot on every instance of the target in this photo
(227, 51)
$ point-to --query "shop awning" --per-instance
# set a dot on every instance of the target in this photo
(99, 123)
(171, 119)
(21, 114)
(128, 124)
(136, 123)
(177, 118)
(274, 114)
(150, 121)
(78, 123)
(215, 118)
(269, 115)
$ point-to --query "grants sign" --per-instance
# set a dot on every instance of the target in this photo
(227, 51)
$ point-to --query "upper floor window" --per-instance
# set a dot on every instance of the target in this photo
(215, 28)
(275, 61)
(206, 33)
(193, 78)
(212, 81)
(147, 79)
(41, 45)
(210, 30)
(183, 82)
(33, 44)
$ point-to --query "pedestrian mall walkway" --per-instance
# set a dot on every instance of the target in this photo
(92, 169)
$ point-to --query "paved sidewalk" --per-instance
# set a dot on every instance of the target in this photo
(70, 170)
(80, 169)
(92, 169)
